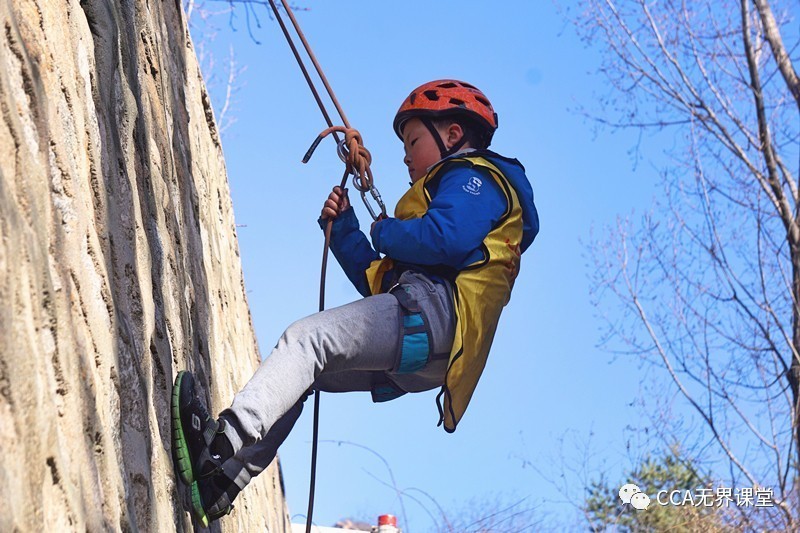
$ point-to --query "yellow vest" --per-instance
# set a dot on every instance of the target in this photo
(482, 289)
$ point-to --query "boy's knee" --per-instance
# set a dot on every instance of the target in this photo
(305, 338)
(296, 331)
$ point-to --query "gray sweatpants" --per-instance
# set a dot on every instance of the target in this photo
(349, 348)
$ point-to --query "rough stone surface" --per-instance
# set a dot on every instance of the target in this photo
(119, 266)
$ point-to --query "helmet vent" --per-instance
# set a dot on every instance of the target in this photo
(457, 102)
(448, 85)
(412, 98)
(468, 86)
(484, 101)
(431, 95)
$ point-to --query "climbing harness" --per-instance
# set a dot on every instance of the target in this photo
(357, 161)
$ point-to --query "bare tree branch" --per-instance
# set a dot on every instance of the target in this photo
(708, 283)
(773, 36)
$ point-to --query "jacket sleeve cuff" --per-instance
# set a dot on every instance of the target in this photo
(346, 218)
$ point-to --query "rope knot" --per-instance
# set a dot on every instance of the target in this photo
(354, 154)
(357, 160)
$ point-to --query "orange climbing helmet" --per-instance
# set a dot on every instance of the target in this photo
(442, 98)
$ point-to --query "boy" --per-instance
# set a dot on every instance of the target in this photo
(431, 303)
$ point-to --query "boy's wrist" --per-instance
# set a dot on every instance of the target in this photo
(346, 215)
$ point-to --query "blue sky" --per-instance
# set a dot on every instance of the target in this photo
(550, 401)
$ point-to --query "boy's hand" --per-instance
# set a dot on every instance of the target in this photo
(380, 217)
(336, 203)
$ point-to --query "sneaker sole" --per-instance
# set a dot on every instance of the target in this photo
(179, 445)
(197, 506)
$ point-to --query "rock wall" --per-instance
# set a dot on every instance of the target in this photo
(119, 265)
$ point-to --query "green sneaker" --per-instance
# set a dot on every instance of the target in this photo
(212, 498)
(193, 431)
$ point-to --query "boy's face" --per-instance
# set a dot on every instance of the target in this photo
(421, 149)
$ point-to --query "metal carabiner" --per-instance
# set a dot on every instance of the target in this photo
(341, 149)
(376, 195)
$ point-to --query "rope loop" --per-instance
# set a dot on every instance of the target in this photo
(355, 155)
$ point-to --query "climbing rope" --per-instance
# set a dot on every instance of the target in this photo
(357, 160)
(351, 149)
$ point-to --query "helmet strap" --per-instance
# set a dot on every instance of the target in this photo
(443, 150)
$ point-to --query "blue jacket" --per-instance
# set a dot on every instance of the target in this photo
(448, 237)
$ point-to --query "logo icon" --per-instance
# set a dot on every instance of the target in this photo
(195, 422)
(632, 495)
(474, 186)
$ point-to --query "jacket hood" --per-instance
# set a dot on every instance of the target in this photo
(515, 172)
